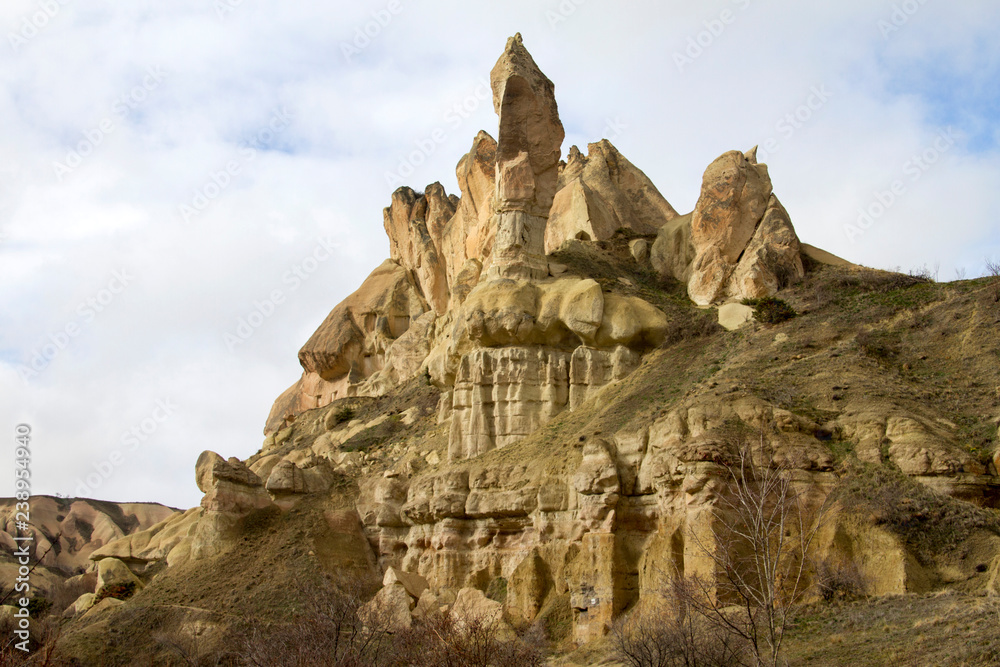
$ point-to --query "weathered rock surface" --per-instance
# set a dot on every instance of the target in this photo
(528, 149)
(745, 246)
(114, 576)
(601, 193)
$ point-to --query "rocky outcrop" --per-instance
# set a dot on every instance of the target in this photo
(528, 150)
(745, 246)
(232, 491)
(415, 225)
(600, 193)
(352, 342)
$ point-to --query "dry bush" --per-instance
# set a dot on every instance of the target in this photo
(840, 581)
(670, 633)
(770, 310)
(993, 271)
(327, 630)
(331, 629)
(883, 346)
(438, 641)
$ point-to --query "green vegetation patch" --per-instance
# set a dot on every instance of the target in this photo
(770, 310)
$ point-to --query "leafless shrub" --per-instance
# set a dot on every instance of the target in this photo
(840, 580)
(328, 630)
(438, 641)
(669, 633)
(334, 628)
(45, 635)
(993, 270)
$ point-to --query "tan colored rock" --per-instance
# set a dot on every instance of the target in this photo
(154, 543)
(772, 259)
(351, 343)
(472, 605)
(112, 575)
(734, 196)
(229, 486)
(601, 193)
(75, 529)
(732, 316)
(413, 583)
(639, 248)
(80, 606)
(390, 609)
(285, 478)
(745, 245)
(415, 225)
(527, 587)
(103, 606)
(822, 256)
(673, 252)
(528, 150)
(467, 241)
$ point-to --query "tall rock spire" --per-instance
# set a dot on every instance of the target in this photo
(528, 152)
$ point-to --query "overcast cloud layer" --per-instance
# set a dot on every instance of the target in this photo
(169, 169)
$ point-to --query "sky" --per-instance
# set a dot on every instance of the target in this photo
(188, 188)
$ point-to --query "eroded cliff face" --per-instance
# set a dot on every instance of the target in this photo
(524, 401)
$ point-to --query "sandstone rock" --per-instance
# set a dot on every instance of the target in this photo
(527, 163)
(822, 256)
(601, 193)
(528, 586)
(285, 478)
(114, 576)
(415, 225)
(639, 248)
(732, 316)
(389, 609)
(472, 606)
(673, 252)
(430, 604)
(229, 486)
(351, 343)
(153, 544)
(413, 583)
(467, 241)
(771, 260)
(745, 246)
(80, 606)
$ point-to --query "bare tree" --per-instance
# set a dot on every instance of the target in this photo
(762, 537)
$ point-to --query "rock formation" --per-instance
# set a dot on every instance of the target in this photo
(527, 169)
(745, 246)
(519, 417)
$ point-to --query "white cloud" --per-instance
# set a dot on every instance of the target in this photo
(354, 121)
